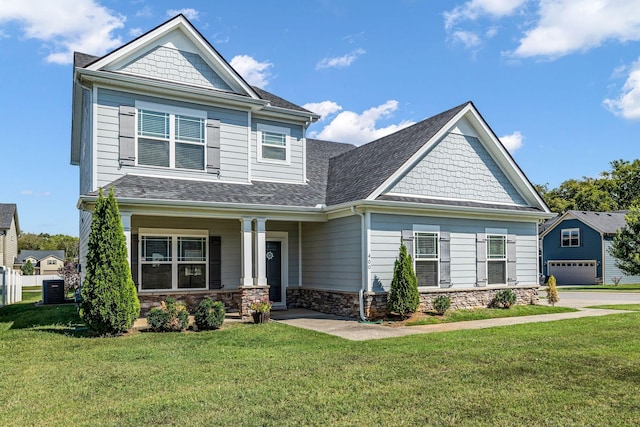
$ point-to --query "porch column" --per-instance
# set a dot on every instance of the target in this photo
(245, 248)
(125, 217)
(261, 250)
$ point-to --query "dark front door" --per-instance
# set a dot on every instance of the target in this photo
(274, 270)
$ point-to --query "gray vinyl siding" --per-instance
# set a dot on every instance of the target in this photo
(228, 230)
(386, 237)
(293, 172)
(292, 243)
(331, 257)
(86, 144)
(9, 244)
(459, 167)
(83, 244)
(233, 140)
(610, 269)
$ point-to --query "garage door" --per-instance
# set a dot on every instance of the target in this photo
(573, 272)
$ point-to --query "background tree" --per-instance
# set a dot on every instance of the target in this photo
(404, 297)
(47, 242)
(625, 247)
(69, 273)
(552, 291)
(27, 268)
(110, 303)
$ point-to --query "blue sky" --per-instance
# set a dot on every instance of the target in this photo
(558, 81)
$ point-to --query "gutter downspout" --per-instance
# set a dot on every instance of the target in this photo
(363, 249)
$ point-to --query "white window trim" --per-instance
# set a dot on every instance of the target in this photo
(173, 111)
(174, 234)
(569, 230)
(427, 229)
(504, 259)
(274, 129)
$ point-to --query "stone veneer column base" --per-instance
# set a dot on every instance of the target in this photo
(249, 295)
(375, 303)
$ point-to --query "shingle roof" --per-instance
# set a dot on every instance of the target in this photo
(7, 212)
(357, 173)
(24, 254)
(259, 193)
(604, 222)
(457, 203)
(276, 101)
(81, 60)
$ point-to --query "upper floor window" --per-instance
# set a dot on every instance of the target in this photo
(496, 259)
(570, 237)
(426, 258)
(170, 137)
(52, 262)
(273, 144)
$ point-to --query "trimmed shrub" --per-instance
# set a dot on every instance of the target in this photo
(504, 298)
(110, 302)
(209, 314)
(552, 291)
(171, 316)
(404, 297)
(441, 303)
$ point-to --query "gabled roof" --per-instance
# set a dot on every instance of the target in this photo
(39, 255)
(606, 223)
(8, 211)
(276, 101)
(257, 193)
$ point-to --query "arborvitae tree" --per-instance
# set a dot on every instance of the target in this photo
(626, 244)
(404, 297)
(27, 268)
(552, 291)
(110, 302)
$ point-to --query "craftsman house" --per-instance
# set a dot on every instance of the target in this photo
(222, 194)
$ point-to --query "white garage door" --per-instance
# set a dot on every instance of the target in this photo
(573, 272)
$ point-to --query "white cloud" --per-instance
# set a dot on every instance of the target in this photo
(190, 14)
(254, 72)
(135, 32)
(324, 108)
(627, 104)
(467, 38)
(568, 26)
(473, 9)
(512, 142)
(35, 194)
(340, 61)
(65, 26)
(358, 129)
(145, 12)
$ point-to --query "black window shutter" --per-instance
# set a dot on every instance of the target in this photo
(215, 262)
(134, 258)
(127, 140)
(213, 146)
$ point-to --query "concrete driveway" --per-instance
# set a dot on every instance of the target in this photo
(580, 299)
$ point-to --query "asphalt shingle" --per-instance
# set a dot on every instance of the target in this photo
(7, 211)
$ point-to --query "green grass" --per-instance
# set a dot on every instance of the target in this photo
(630, 307)
(488, 313)
(582, 372)
(620, 288)
(32, 288)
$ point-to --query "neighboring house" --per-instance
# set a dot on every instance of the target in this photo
(45, 262)
(575, 248)
(221, 194)
(9, 231)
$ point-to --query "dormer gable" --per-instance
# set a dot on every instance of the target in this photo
(175, 52)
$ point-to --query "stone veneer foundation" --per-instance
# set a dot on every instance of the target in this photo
(234, 299)
(375, 303)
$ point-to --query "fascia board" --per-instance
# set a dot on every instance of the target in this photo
(564, 216)
(417, 155)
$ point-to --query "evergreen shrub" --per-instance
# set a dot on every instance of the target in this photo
(209, 314)
(441, 303)
(504, 298)
(171, 316)
(404, 297)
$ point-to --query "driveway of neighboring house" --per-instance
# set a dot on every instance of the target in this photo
(581, 299)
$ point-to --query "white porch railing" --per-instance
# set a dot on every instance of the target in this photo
(10, 286)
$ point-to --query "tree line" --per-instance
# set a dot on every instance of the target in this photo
(48, 242)
(615, 189)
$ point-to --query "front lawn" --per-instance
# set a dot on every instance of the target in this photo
(451, 316)
(582, 372)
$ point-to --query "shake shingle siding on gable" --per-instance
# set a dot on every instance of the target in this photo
(459, 167)
(175, 65)
(356, 174)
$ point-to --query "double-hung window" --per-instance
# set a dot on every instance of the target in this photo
(170, 137)
(426, 256)
(173, 259)
(496, 259)
(273, 144)
(570, 237)
(52, 262)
